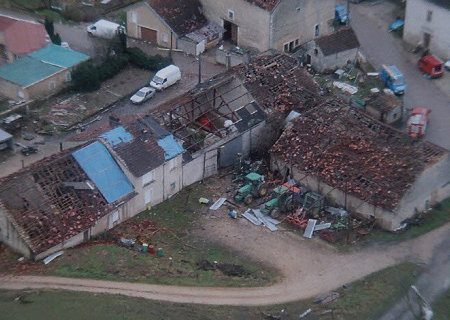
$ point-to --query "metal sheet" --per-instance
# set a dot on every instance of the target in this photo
(218, 204)
(322, 226)
(310, 228)
(103, 170)
(269, 225)
(229, 152)
(250, 217)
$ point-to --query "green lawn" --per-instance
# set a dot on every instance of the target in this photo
(441, 308)
(183, 252)
(364, 299)
(432, 220)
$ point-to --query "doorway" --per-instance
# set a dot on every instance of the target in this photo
(426, 40)
(308, 59)
(231, 32)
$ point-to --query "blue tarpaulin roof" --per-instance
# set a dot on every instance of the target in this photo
(101, 168)
(170, 146)
(116, 136)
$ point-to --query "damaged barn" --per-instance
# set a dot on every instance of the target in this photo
(62, 201)
(363, 165)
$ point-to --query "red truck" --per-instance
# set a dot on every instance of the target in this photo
(417, 123)
(431, 65)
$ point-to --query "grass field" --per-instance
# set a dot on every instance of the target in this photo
(442, 307)
(364, 299)
(184, 261)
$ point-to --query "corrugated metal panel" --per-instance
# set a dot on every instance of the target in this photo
(59, 56)
(101, 168)
(170, 146)
(116, 136)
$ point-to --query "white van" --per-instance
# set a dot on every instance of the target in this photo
(104, 29)
(166, 77)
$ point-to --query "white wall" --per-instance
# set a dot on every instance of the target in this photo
(416, 25)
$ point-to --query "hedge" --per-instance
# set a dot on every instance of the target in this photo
(140, 59)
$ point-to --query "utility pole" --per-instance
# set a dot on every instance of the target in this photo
(199, 68)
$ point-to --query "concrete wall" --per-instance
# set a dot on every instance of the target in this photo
(337, 197)
(187, 45)
(416, 25)
(201, 167)
(10, 236)
(432, 185)
(37, 90)
(294, 19)
(235, 58)
(147, 18)
(253, 22)
(334, 61)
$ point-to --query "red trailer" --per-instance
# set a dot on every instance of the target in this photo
(432, 66)
(417, 123)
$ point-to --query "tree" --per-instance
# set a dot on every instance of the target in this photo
(56, 39)
(85, 77)
(49, 27)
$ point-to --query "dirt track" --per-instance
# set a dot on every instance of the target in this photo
(310, 267)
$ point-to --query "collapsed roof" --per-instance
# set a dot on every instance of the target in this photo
(347, 149)
(339, 41)
(52, 200)
(183, 16)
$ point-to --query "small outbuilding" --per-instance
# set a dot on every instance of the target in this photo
(385, 108)
(6, 140)
(332, 51)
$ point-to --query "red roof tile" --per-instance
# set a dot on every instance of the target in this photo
(23, 37)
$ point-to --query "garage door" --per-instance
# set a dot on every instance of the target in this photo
(148, 34)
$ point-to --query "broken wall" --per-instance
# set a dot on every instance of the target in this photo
(338, 197)
(10, 236)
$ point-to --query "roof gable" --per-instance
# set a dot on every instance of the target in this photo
(339, 41)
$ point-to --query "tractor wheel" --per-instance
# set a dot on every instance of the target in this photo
(248, 199)
(262, 190)
(275, 213)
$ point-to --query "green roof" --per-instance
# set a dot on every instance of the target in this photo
(26, 71)
(59, 56)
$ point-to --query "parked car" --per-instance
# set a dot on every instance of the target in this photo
(447, 65)
(393, 79)
(104, 29)
(417, 123)
(142, 95)
(166, 77)
(29, 150)
(431, 65)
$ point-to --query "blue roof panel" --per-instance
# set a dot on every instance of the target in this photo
(170, 146)
(116, 136)
(103, 170)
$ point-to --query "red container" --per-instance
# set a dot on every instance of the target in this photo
(151, 249)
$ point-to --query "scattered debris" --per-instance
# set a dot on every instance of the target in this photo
(310, 228)
(345, 87)
(203, 201)
(373, 74)
(233, 214)
(52, 257)
(336, 211)
(251, 217)
(127, 243)
(326, 298)
(21, 259)
(218, 204)
(304, 314)
(322, 226)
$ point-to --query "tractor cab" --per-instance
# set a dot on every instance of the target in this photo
(254, 187)
(282, 199)
(314, 203)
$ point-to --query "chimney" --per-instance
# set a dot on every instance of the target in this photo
(114, 120)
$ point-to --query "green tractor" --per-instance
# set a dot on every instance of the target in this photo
(254, 187)
(314, 203)
(282, 200)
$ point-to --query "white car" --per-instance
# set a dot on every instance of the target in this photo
(142, 95)
(447, 65)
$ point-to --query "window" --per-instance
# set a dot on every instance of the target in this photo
(286, 47)
(316, 51)
(172, 163)
(165, 37)
(298, 9)
(316, 30)
(148, 177)
(172, 186)
(133, 17)
(52, 85)
(68, 77)
(429, 15)
(297, 42)
(148, 195)
(230, 15)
